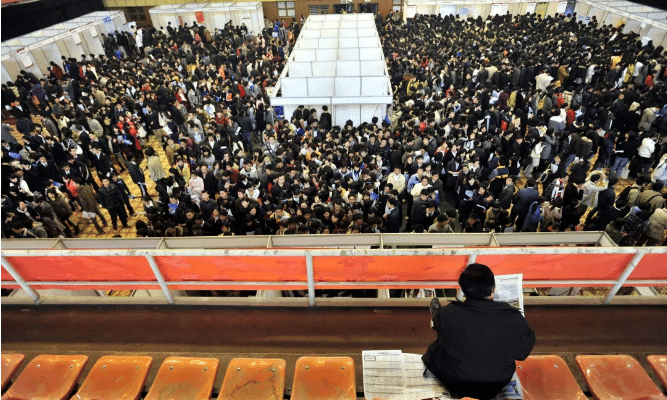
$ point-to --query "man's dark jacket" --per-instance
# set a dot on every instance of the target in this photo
(477, 345)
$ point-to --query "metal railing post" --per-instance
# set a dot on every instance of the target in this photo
(19, 279)
(624, 276)
(160, 278)
(311, 279)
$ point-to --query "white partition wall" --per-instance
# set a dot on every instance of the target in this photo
(338, 62)
(216, 15)
(33, 52)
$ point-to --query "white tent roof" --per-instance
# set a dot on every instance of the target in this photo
(54, 32)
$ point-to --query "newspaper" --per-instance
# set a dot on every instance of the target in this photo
(509, 288)
(394, 375)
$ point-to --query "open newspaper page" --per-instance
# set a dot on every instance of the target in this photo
(417, 386)
(384, 378)
(509, 288)
(392, 375)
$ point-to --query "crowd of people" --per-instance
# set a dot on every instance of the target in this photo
(504, 124)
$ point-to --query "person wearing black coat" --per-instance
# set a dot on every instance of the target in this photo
(136, 174)
(479, 339)
(124, 192)
(110, 197)
(392, 217)
(102, 163)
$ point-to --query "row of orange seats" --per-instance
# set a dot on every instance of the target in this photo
(53, 377)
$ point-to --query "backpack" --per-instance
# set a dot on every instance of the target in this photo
(533, 218)
(625, 194)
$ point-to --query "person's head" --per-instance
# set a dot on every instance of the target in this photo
(477, 282)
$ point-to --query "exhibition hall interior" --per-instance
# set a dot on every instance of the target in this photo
(324, 199)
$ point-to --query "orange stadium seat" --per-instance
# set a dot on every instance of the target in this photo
(47, 377)
(617, 377)
(547, 378)
(115, 378)
(184, 378)
(10, 363)
(659, 365)
(254, 379)
(324, 378)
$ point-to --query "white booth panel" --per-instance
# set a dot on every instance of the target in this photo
(348, 24)
(94, 44)
(41, 61)
(324, 68)
(348, 54)
(349, 33)
(314, 25)
(348, 68)
(329, 33)
(596, 12)
(52, 53)
(447, 9)
(26, 41)
(374, 86)
(12, 68)
(320, 87)
(425, 9)
(368, 111)
(326, 54)
(315, 18)
(74, 49)
(308, 44)
(294, 87)
(300, 70)
(331, 24)
(657, 35)
(366, 24)
(305, 55)
(34, 67)
(372, 53)
(367, 32)
(309, 34)
(327, 43)
(348, 42)
(614, 19)
(372, 68)
(369, 41)
(5, 75)
(63, 50)
(328, 17)
(347, 87)
(342, 113)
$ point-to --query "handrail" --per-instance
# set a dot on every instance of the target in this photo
(313, 268)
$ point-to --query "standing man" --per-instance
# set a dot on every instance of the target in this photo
(479, 339)
(109, 197)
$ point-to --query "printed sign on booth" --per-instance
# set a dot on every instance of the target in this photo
(200, 17)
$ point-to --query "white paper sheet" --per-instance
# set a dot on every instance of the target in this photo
(509, 288)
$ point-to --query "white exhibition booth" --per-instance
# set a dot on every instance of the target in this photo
(33, 52)
(211, 15)
(653, 28)
(337, 61)
(482, 8)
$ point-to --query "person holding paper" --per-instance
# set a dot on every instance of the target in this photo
(479, 339)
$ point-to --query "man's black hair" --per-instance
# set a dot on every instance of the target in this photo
(477, 281)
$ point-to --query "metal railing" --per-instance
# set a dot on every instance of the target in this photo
(158, 252)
